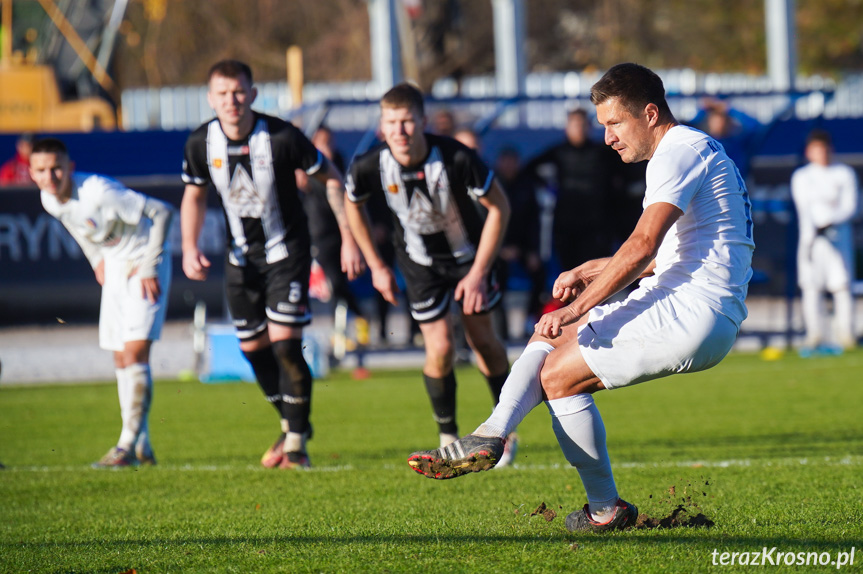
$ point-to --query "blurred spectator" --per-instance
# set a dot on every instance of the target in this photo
(16, 171)
(324, 229)
(469, 138)
(735, 130)
(443, 123)
(521, 243)
(825, 195)
(584, 176)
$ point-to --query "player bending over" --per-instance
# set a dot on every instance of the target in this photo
(123, 234)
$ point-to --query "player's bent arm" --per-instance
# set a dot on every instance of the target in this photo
(161, 214)
(351, 258)
(570, 284)
(193, 209)
(847, 208)
(360, 225)
(634, 258)
(494, 229)
(471, 289)
(91, 251)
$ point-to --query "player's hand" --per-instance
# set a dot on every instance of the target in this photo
(570, 284)
(353, 264)
(195, 265)
(385, 282)
(151, 290)
(99, 270)
(550, 325)
(471, 292)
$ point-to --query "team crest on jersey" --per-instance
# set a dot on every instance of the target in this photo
(428, 217)
(393, 188)
(217, 163)
(243, 195)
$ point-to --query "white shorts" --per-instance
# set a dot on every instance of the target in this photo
(125, 315)
(824, 266)
(651, 334)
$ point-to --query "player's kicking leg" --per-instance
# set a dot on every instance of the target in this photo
(484, 448)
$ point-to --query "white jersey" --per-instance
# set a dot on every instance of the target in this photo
(707, 253)
(825, 196)
(826, 199)
(104, 217)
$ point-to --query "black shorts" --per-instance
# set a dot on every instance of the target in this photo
(430, 289)
(276, 292)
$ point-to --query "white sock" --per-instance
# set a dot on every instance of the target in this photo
(123, 394)
(581, 435)
(843, 318)
(294, 442)
(136, 396)
(812, 304)
(521, 392)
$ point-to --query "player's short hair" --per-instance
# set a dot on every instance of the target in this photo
(50, 145)
(404, 95)
(634, 86)
(230, 69)
(576, 112)
(508, 150)
(820, 136)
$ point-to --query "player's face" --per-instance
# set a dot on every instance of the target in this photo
(402, 130)
(231, 99)
(629, 135)
(577, 129)
(52, 173)
(818, 153)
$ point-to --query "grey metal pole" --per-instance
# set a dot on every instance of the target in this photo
(781, 43)
(386, 48)
(509, 25)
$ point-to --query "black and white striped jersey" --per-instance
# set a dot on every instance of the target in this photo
(434, 212)
(257, 185)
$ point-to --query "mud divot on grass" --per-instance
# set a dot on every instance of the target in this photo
(685, 512)
(545, 512)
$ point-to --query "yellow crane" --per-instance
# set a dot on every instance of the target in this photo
(30, 97)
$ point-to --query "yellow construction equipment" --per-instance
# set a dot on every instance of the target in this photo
(30, 97)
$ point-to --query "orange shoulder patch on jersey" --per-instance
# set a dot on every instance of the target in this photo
(393, 188)
(217, 163)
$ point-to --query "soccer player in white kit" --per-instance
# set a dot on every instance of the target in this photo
(123, 234)
(692, 248)
(825, 195)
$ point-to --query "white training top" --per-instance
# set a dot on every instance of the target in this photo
(104, 217)
(825, 196)
(707, 253)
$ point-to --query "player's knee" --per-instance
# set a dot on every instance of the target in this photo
(559, 380)
(257, 342)
(489, 348)
(439, 348)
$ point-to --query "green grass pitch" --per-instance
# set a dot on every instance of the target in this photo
(770, 451)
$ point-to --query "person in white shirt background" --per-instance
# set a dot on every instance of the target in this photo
(825, 196)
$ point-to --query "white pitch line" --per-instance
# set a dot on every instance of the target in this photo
(848, 460)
